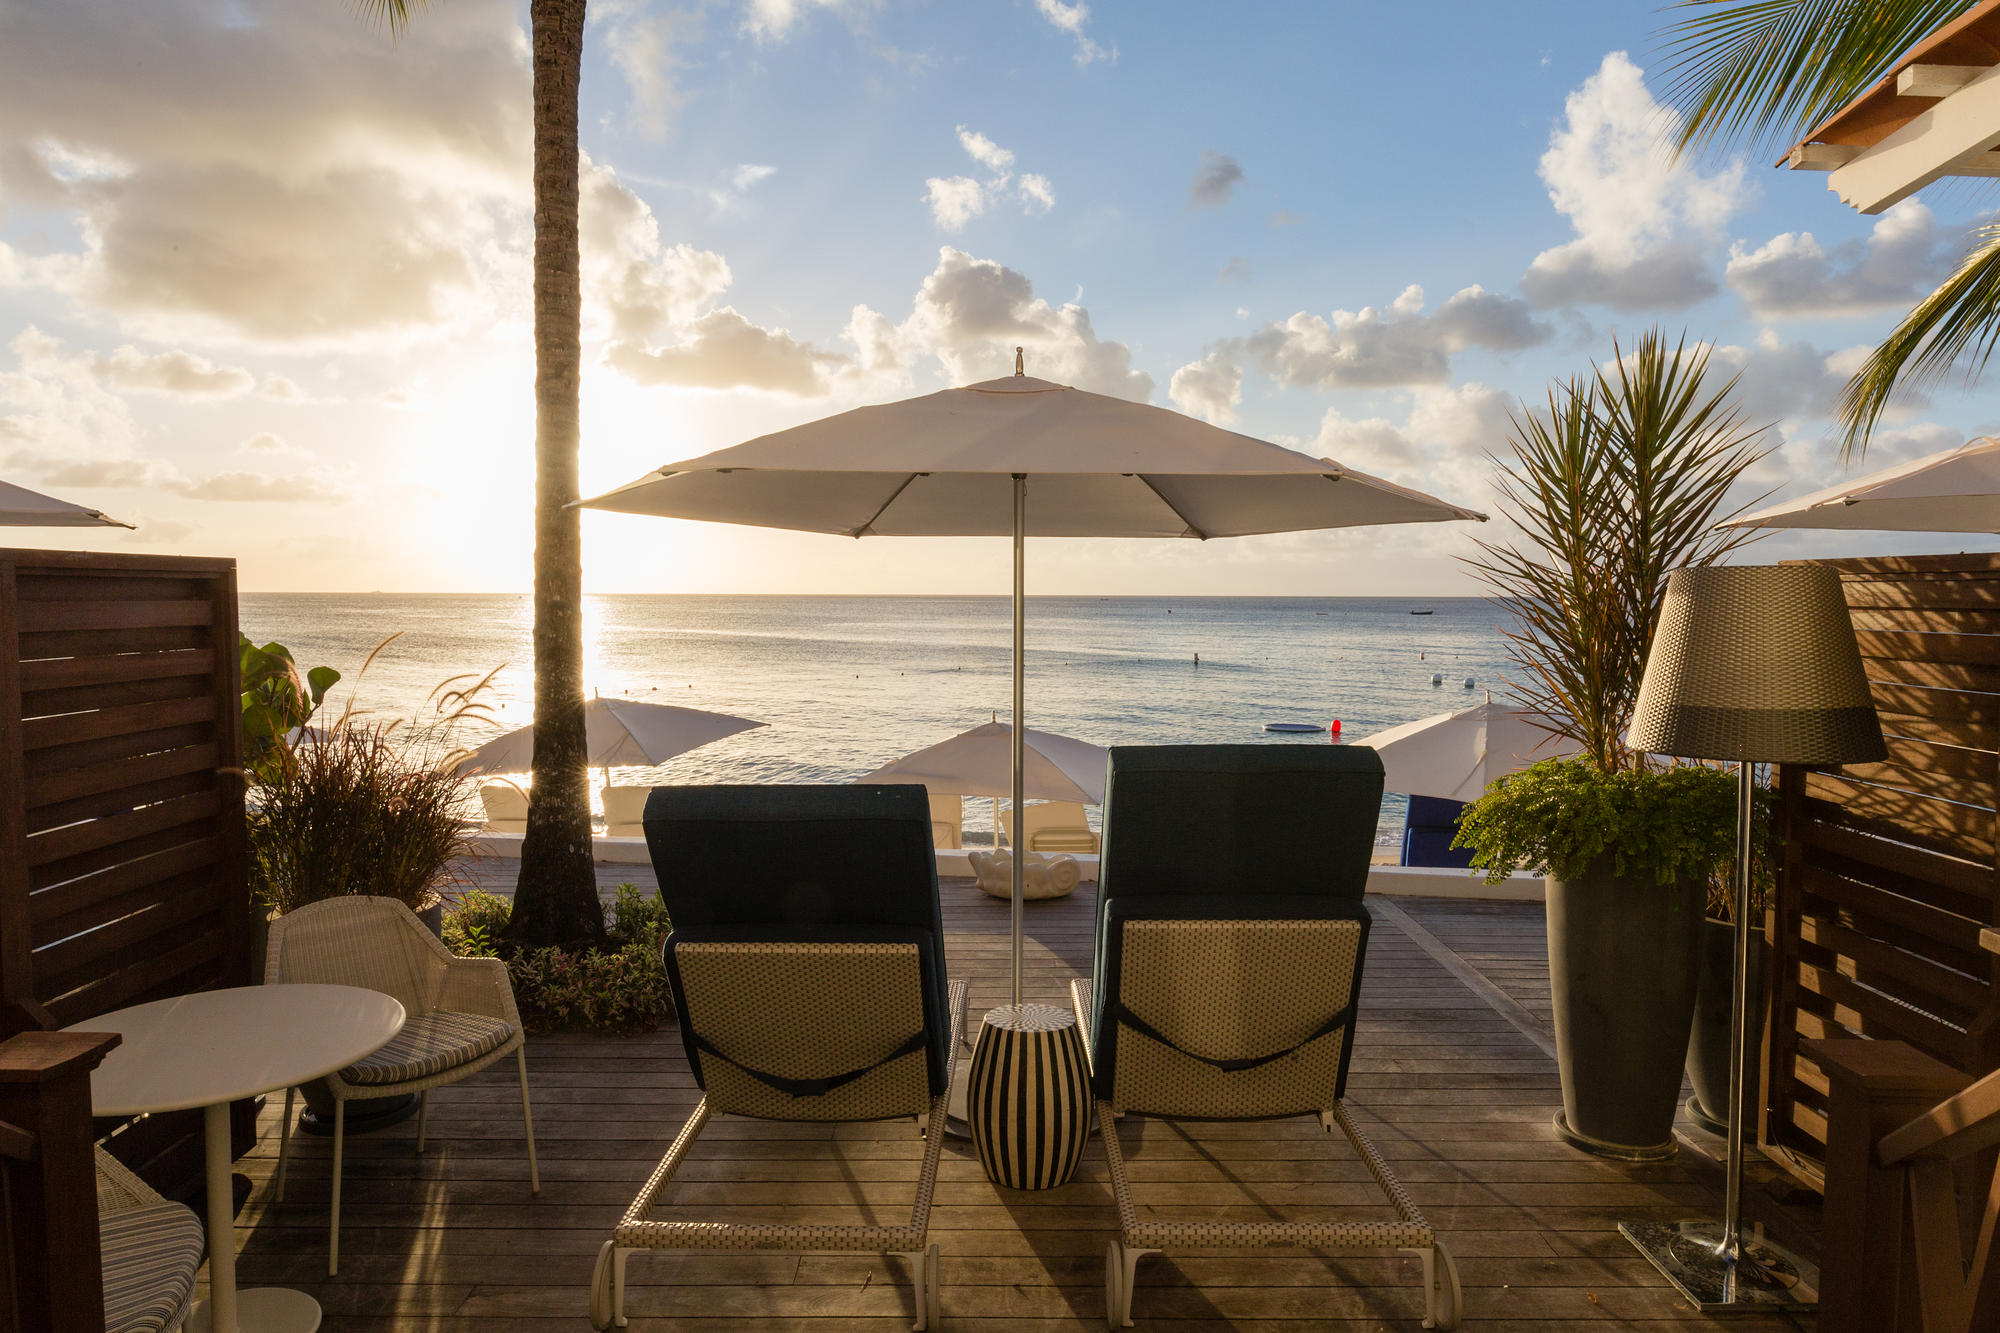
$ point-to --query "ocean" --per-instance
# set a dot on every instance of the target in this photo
(847, 684)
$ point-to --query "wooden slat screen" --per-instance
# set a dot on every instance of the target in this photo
(1889, 870)
(122, 874)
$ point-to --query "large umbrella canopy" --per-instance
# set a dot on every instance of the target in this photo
(1954, 491)
(980, 762)
(23, 508)
(943, 466)
(1456, 756)
(1025, 457)
(620, 732)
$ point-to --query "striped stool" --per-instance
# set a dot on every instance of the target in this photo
(1028, 1100)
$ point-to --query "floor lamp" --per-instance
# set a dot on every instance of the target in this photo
(1755, 663)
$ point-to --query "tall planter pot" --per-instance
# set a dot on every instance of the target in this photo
(1623, 969)
(1708, 1044)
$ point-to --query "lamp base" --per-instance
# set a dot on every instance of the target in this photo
(1767, 1277)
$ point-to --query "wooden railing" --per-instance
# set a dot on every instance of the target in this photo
(1909, 1160)
(49, 1274)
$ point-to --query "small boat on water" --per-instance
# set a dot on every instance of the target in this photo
(1293, 726)
(1423, 613)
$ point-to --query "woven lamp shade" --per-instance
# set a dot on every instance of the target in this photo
(1756, 662)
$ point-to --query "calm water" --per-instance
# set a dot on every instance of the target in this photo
(850, 683)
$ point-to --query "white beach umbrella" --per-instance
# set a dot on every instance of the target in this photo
(1020, 457)
(1456, 756)
(23, 508)
(1954, 491)
(980, 762)
(619, 732)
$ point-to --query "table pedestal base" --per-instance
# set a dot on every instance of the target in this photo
(264, 1310)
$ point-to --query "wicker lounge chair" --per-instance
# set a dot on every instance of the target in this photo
(1057, 826)
(151, 1251)
(461, 1015)
(807, 965)
(1230, 941)
(625, 811)
(506, 807)
(948, 822)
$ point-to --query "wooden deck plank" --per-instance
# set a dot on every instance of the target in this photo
(1454, 1093)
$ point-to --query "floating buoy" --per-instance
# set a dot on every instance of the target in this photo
(1334, 726)
(1469, 684)
(1294, 726)
(1437, 678)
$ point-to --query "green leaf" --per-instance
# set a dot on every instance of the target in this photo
(319, 680)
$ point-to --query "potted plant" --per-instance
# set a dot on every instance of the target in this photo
(1620, 479)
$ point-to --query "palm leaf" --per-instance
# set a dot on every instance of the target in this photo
(1961, 319)
(1764, 73)
(394, 13)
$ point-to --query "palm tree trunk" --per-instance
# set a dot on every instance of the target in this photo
(555, 902)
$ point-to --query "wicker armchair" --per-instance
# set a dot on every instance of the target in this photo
(461, 1014)
(151, 1251)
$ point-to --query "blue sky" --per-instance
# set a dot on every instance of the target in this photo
(264, 284)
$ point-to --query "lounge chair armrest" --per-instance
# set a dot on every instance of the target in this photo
(479, 986)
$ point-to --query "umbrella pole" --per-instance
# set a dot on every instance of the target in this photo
(1020, 726)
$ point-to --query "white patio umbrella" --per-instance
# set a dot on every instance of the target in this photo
(980, 762)
(619, 732)
(1020, 457)
(1456, 756)
(23, 508)
(1954, 491)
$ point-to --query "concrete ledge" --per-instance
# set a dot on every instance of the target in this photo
(1393, 881)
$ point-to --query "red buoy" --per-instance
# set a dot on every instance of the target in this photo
(1334, 726)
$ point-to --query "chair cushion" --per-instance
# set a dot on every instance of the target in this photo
(429, 1044)
(150, 1258)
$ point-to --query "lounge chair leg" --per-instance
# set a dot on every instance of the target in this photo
(1444, 1299)
(1326, 1121)
(284, 1143)
(423, 1110)
(618, 1258)
(333, 1238)
(934, 1290)
(528, 1125)
(1121, 1268)
(606, 1301)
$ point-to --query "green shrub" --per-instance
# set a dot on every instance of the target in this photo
(622, 988)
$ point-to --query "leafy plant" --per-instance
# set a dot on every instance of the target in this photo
(1619, 481)
(277, 698)
(1766, 74)
(619, 988)
(1569, 818)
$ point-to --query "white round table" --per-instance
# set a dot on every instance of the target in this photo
(216, 1047)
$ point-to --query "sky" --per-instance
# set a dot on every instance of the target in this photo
(265, 268)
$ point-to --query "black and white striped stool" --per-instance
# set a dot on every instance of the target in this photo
(1028, 1101)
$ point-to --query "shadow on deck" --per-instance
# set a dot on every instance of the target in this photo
(1451, 1079)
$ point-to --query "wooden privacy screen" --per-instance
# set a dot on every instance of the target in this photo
(121, 818)
(1889, 869)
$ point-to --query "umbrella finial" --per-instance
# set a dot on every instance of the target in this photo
(1019, 369)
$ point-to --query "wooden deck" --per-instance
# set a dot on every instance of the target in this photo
(1451, 1079)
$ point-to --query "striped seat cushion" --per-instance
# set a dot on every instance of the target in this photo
(150, 1258)
(430, 1044)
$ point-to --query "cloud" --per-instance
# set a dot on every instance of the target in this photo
(257, 488)
(1214, 180)
(156, 531)
(1209, 388)
(773, 20)
(1467, 419)
(723, 350)
(1636, 211)
(55, 409)
(1906, 255)
(291, 176)
(645, 287)
(1283, 219)
(102, 472)
(271, 445)
(956, 200)
(1070, 18)
(174, 373)
(280, 389)
(1236, 270)
(1781, 380)
(646, 47)
(1375, 349)
(1372, 445)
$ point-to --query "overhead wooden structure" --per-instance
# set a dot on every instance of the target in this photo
(1935, 114)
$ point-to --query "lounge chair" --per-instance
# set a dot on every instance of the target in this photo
(1057, 826)
(625, 811)
(1230, 939)
(151, 1249)
(948, 822)
(808, 976)
(506, 807)
(460, 1016)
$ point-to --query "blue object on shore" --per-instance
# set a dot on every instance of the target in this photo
(1428, 828)
(1293, 726)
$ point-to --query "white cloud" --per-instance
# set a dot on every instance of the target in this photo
(1372, 445)
(174, 373)
(645, 287)
(723, 350)
(1904, 257)
(269, 444)
(1037, 195)
(985, 152)
(773, 20)
(258, 488)
(1215, 179)
(646, 47)
(1469, 419)
(1070, 19)
(1636, 211)
(1236, 270)
(1210, 388)
(956, 200)
(1373, 349)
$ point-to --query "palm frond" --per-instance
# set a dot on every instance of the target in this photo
(394, 14)
(1763, 73)
(1960, 321)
